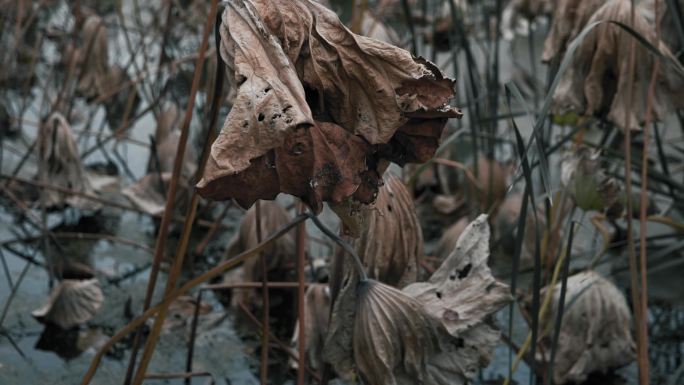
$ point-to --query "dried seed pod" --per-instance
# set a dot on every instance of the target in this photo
(71, 303)
(598, 81)
(395, 107)
(588, 184)
(317, 308)
(434, 332)
(595, 335)
(60, 162)
(392, 245)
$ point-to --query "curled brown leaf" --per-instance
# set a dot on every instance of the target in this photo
(318, 109)
(599, 80)
(595, 335)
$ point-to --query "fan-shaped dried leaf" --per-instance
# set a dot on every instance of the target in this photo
(595, 335)
(317, 308)
(61, 164)
(403, 337)
(392, 245)
(588, 184)
(72, 302)
(598, 81)
(318, 107)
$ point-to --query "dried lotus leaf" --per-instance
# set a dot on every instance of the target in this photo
(392, 245)
(280, 255)
(93, 55)
(318, 108)
(400, 337)
(595, 334)
(397, 341)
(569, 18)
(462, 292)
(61, 164)
(597, 83)
(71, 303)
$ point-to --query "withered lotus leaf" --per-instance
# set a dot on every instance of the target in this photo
(595, 335)
(93, 57)
(70, 303)
(436, 332)
(569, 18)
(391, 246)
(60, 162)
(317, 107)
(280, 255)
(598, 81)
(462, 291)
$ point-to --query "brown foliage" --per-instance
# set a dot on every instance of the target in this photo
(393, 243)
(317, 107)
(433, 332)
(61, 164)
(71, 303)
(596, 331)
(598, 82)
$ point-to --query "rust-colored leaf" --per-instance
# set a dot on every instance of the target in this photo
(318, 109)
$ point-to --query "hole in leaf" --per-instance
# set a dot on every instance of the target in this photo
(464, 272)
